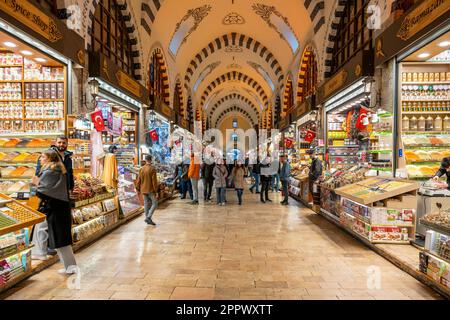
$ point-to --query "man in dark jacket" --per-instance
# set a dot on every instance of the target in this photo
(285, 173)
(256, 171)
(316, 169)
(208, 179)
(66, 158)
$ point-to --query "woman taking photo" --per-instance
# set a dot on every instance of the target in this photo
(237, 176)
(52, 190)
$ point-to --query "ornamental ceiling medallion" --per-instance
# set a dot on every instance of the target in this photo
(233, 18)
(233, 49)
(197, 14)
(266, 12)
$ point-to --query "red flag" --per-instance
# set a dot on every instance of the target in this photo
(360, 122)
(97, 119)
(154, 135)
(288, 143)
(310, 136)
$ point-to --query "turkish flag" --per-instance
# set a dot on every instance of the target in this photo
(154, 135)
(288, 143)
(310, 136)
(360, 122)
(97, 119)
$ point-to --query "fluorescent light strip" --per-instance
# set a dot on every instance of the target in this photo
(25, 38)
(345, 96)
(118, 93)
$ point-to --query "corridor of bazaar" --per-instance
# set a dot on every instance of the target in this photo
(225, 150)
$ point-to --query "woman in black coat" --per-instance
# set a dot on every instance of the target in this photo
(52, 190)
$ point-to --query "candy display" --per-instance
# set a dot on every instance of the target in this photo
(91, 227)
(440, 219)
(87, 187)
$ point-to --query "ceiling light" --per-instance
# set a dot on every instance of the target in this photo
(424, 55)
(444, 44)
(40, 60)
(10, 44)
(26, 52)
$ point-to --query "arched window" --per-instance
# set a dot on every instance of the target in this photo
(352, 34)
(307, 77)
(159, 80)
(110, 35)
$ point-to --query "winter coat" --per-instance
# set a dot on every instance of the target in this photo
(67, 161)
(52, 190)
(220, 174)
(194, 170)
(285, 171)
(316, 169)
(238, 177)
(207, 171)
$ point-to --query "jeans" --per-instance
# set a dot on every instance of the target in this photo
(194, 183)
(207, 188)
(285, 186)
(220, 195)
(276, 182)
(256, 184)
(150, 197)
(239, 195)
(265, 189)
(185, 187)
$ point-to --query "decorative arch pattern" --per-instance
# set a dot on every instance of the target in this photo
(315, 9)
(159, 77)
(288, 98)
(277, 113)
(149, 10)
(307, 75)
(234, 39)
(234, 75)
(234, 109)
(132, 32)
(235, 96)
(178, 104)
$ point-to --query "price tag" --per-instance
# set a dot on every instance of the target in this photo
(21, 196)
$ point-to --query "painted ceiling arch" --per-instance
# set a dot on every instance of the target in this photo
(234, 97)
(226, 105)
(235, 77)
(228, 112)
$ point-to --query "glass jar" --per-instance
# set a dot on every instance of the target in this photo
(438, 123)
(429, 124)
(421, 123)
(413, 124)
(446, 124)
(405, 123)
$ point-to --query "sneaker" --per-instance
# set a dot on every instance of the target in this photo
(72, 270)
(223, 203)
(62, 271)
(150, 222)
(263, 201)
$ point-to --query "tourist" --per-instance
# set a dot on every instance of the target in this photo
(54, 195)
(237, 175)
(194, 176)
(208, 179)
(220, 174)
(256, 171)
(186, 185)
(265, 180)
(275, 185)
(147, 185)
(285, 172)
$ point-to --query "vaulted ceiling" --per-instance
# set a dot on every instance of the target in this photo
(235, 49)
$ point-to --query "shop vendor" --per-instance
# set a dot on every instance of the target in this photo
(444, 170)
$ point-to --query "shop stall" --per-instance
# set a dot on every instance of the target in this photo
(421, 95)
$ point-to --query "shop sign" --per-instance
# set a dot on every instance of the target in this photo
(114, 124)
(126, 82)
(336, 82)
(422, 16)
(31, 16)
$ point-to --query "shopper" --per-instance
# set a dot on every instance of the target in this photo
(186, 185)
(194, 176)
(220, 174)
(266, 178)
(147, 185)
(275, 183)
(62, 143)
(256, 171)
(444, 170)
(316, 169)
(237, 175)
(208, 179)
(52, 190)
(285, 172)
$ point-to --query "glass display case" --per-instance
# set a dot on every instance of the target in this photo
(128, 196)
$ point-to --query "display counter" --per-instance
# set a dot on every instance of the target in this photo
(435, 258)
(16, 221)
(381, 210)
